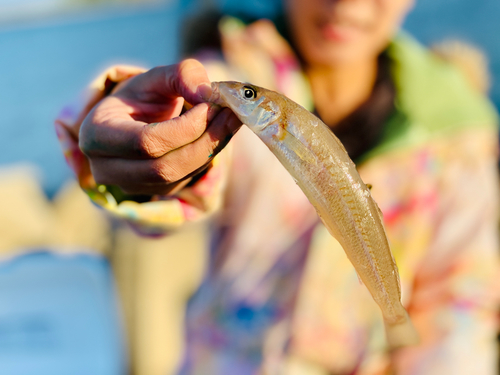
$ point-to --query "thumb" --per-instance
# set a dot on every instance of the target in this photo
(187, 79)
(190, 80)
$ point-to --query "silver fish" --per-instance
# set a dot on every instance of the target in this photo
(319, 164)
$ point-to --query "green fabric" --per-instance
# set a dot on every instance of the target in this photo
(433, 99)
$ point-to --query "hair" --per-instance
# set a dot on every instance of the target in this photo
(200, 30)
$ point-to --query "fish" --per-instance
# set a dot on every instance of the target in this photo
(321, 167)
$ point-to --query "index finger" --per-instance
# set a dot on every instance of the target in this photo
(114, 134)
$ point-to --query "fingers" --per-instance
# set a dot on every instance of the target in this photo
(187, 79)
(190, 80)
(160, 138)
(118, 125)
(155, 176)
(137, 139)
(111, 132)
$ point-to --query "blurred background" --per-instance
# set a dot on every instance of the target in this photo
(49, 51)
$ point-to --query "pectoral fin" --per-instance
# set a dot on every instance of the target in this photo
(296, 146)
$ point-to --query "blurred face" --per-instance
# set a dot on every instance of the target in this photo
(332, 32)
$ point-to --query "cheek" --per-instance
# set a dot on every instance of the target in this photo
(301, 20)
(390, 15)
(386, 16)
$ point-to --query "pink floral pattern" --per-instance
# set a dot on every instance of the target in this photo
(280, 295)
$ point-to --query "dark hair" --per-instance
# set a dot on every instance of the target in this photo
(200, 30)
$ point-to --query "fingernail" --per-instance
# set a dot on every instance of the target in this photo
(205, 91)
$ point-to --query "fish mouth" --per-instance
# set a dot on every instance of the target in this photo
(215, 97)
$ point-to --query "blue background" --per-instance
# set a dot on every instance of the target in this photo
(45, 63)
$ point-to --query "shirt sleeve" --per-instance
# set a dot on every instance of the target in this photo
(159, 214)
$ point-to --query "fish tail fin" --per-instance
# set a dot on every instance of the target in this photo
(401, 334)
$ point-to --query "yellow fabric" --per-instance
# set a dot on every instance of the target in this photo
(29, 220)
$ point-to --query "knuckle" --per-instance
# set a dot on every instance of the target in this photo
(147, 145)
(84, 147)
(142, 147)
(188, 127)
(84, 140)
(164, 172)
(187, 73)
(189, 64)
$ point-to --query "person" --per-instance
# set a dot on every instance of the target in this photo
(279, 296)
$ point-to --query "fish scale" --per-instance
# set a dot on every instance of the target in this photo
(320, 165)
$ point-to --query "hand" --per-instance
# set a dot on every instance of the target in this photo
(138, 139)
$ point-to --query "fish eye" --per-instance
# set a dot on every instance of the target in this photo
(249, 93)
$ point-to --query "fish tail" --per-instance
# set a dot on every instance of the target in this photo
(401, 333)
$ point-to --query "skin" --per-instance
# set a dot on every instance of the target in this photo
(137, 138)
(321, 167)
(338, 40)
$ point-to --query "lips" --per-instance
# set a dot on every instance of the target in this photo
(343, 28)
(339, 32)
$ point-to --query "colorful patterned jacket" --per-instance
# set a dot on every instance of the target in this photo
(279, 295)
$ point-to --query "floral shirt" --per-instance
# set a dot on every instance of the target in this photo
(279, 295)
